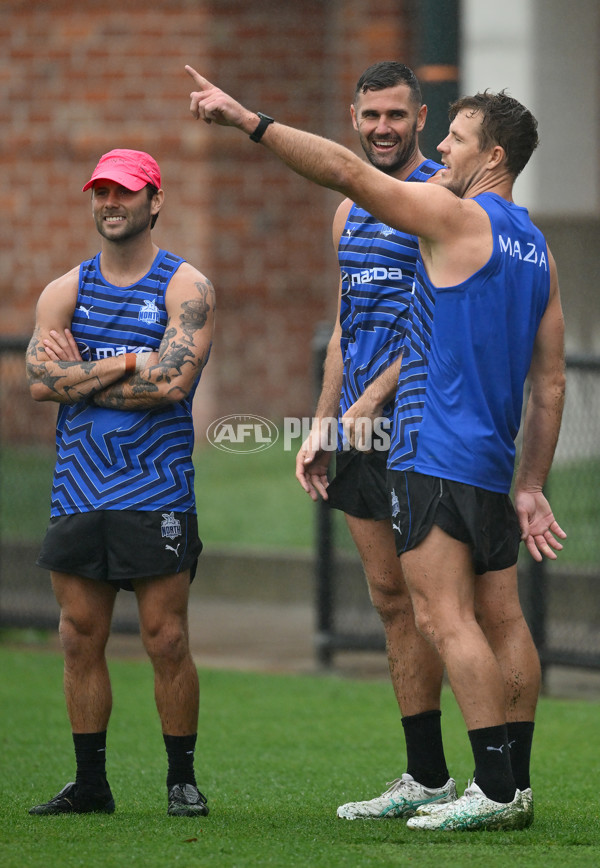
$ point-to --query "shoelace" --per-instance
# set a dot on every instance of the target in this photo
(395, 785)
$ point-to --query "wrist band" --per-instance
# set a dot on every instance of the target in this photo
(264, 122)
(130, 363)
(141, 360)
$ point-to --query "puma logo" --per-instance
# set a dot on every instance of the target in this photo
(501, 748)
(86, 310)
(171, 549)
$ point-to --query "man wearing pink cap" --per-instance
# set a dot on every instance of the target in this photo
(119, 343)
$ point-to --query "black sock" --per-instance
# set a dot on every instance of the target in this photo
(520, 737)
(90, 755)
(425, 759)
(493, 772)
(180, 751)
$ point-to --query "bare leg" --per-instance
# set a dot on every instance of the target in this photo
(163, 608)
(86, 610)
(499, 613)
(416, 671)
(415, 667)
(440, 576)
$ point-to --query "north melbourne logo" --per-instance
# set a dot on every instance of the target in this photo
(170, 526)
(149, 312)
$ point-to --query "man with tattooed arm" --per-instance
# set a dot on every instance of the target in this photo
(120, 342)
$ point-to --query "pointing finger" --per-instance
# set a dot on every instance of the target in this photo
(199, 80)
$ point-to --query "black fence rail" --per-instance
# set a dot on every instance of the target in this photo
(561, 599)
(26, 463)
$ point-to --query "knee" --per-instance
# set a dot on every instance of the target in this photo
(167, 641)
(390, 599)
(500, 621)
(436, 629)
(81, 633)
(425, 624)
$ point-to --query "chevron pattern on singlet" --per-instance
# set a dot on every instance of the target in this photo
(412, 382)
(143, 464)
(377, 265)
(123, 459)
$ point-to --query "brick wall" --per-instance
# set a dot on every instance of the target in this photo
(81, 78)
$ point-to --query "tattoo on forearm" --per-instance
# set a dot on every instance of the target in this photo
(114, 397)
(65, 392)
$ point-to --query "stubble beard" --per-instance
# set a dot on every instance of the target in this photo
(407, 148)
(130, 231)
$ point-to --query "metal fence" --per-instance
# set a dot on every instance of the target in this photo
(561, 599)
(26, 464)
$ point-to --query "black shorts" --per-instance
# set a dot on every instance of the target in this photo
(117, 546)
(485, 520)
(359, 487)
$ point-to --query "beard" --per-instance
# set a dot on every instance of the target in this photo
(134, 225)
(401, 156)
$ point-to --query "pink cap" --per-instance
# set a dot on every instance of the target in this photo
(131, 169)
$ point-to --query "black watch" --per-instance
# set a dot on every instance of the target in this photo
(264, 122)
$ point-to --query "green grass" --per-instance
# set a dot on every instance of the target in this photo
(276, 755)
(574, 493)
(252, 499)
(25, 483)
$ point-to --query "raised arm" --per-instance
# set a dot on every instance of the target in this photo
(425, 210)
(541, 428)
(66, 382)
(183, 352)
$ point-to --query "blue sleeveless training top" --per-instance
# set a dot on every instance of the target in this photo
(123, 459)
(377, 266)
(467, 355)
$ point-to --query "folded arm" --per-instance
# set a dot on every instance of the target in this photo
(65, 380)
(169, 376)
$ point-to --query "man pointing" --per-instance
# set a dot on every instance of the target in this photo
(485, 317)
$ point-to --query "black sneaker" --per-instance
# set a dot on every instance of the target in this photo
(186, 800)
(77, 799)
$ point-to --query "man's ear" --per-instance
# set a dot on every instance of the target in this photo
(497, 155)
(157, 201)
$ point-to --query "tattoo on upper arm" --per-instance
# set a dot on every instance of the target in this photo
(195, 312)
(177, 349)
(177, 346)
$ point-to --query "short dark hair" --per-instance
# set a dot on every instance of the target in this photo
(151, 191)
(388, 73)
(504, 122)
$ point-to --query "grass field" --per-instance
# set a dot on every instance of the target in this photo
(276, 755)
